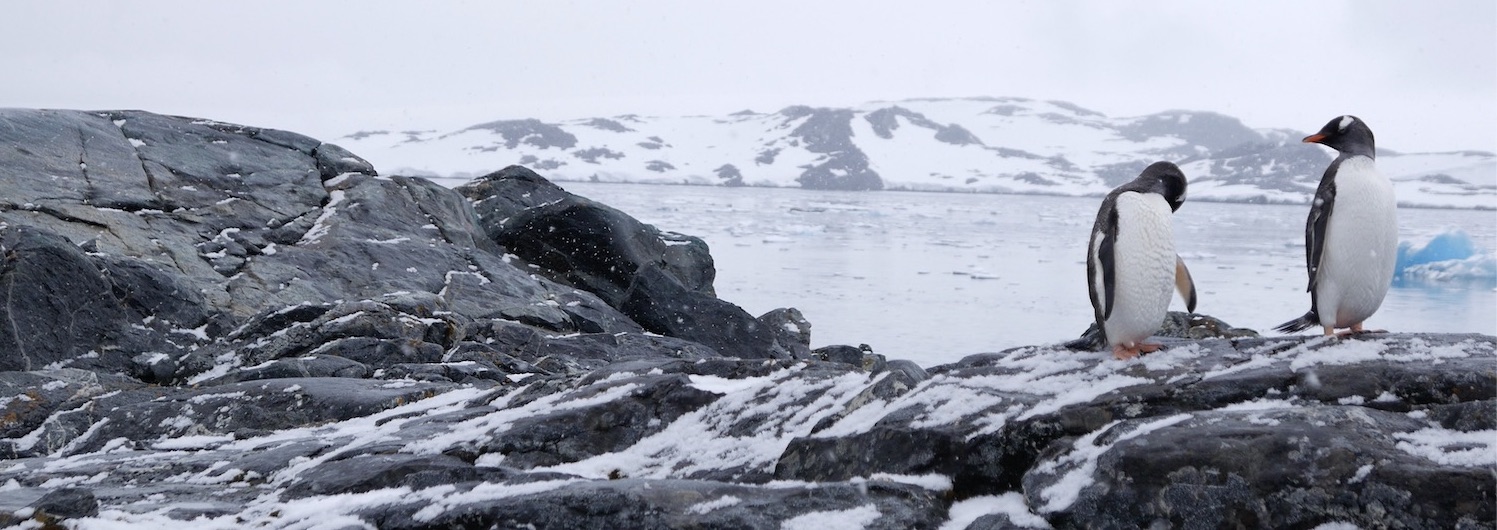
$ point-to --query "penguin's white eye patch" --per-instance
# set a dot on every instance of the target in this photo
(1345, 122)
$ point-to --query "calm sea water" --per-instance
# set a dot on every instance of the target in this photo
(933, 277)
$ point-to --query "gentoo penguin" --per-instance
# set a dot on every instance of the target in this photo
(1131, 264)
(1351, 236)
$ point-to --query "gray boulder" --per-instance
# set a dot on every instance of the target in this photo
(59, 305)
(1277, 467)
(661, 280)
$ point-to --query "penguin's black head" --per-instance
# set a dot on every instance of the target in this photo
(1347, 134)
(1165, 179)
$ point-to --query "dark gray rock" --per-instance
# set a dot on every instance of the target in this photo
(66, 503)
(659, 302)
(497, 196)
(30, 402)
(240, 409)
(986, 422)
(382, 352)
(791, 330)
(505, 198)
(198, 225)
(370, 472)
(995, 521)
(148, 293)
(1181, 325)
(840, 354)
(1177, 324)
(653, 504)
(367, 333)
(907, 369)
(46, 507)
(575, 433)
(194, 164)
(57, 305)
(1275, 468)
(661, 280)
(318, 365)
(333, 161)
(523, 349)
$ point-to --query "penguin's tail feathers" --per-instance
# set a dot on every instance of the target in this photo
(1299, 324)
(1092, 340)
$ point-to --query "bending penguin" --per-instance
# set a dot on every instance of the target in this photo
(1351, 236)
(1131, 265)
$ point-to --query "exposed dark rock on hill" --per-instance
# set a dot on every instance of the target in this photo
(221, 326)
(980, 144)
(842, 165)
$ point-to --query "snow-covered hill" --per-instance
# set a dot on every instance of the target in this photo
(997, 145)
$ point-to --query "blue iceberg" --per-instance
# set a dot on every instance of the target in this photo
(1450, 255)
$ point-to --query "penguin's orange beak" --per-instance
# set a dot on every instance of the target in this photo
(1314, 138)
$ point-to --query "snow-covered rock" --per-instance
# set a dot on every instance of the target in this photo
(999, 145)
(297, 342)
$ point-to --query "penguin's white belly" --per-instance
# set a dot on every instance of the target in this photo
(1361, 246)
(1143, 268)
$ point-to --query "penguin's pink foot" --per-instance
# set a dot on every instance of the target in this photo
(1356, 329)
(1124, 352)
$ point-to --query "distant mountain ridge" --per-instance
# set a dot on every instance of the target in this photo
(987, 144)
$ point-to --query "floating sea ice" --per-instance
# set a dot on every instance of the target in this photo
(1450, 255)
(1479, 267)
(1448, 245)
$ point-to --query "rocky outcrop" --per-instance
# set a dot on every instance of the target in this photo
(224, 326)
(886, 120)
(661, 280)
(842, 165)
(1269, 433)
(535, 133)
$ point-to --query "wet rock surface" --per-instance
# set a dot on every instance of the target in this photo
(226, 327)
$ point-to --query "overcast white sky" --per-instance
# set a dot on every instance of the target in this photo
(1422, 74)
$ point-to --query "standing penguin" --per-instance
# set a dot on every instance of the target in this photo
(1351, 236)
(1131, 263)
